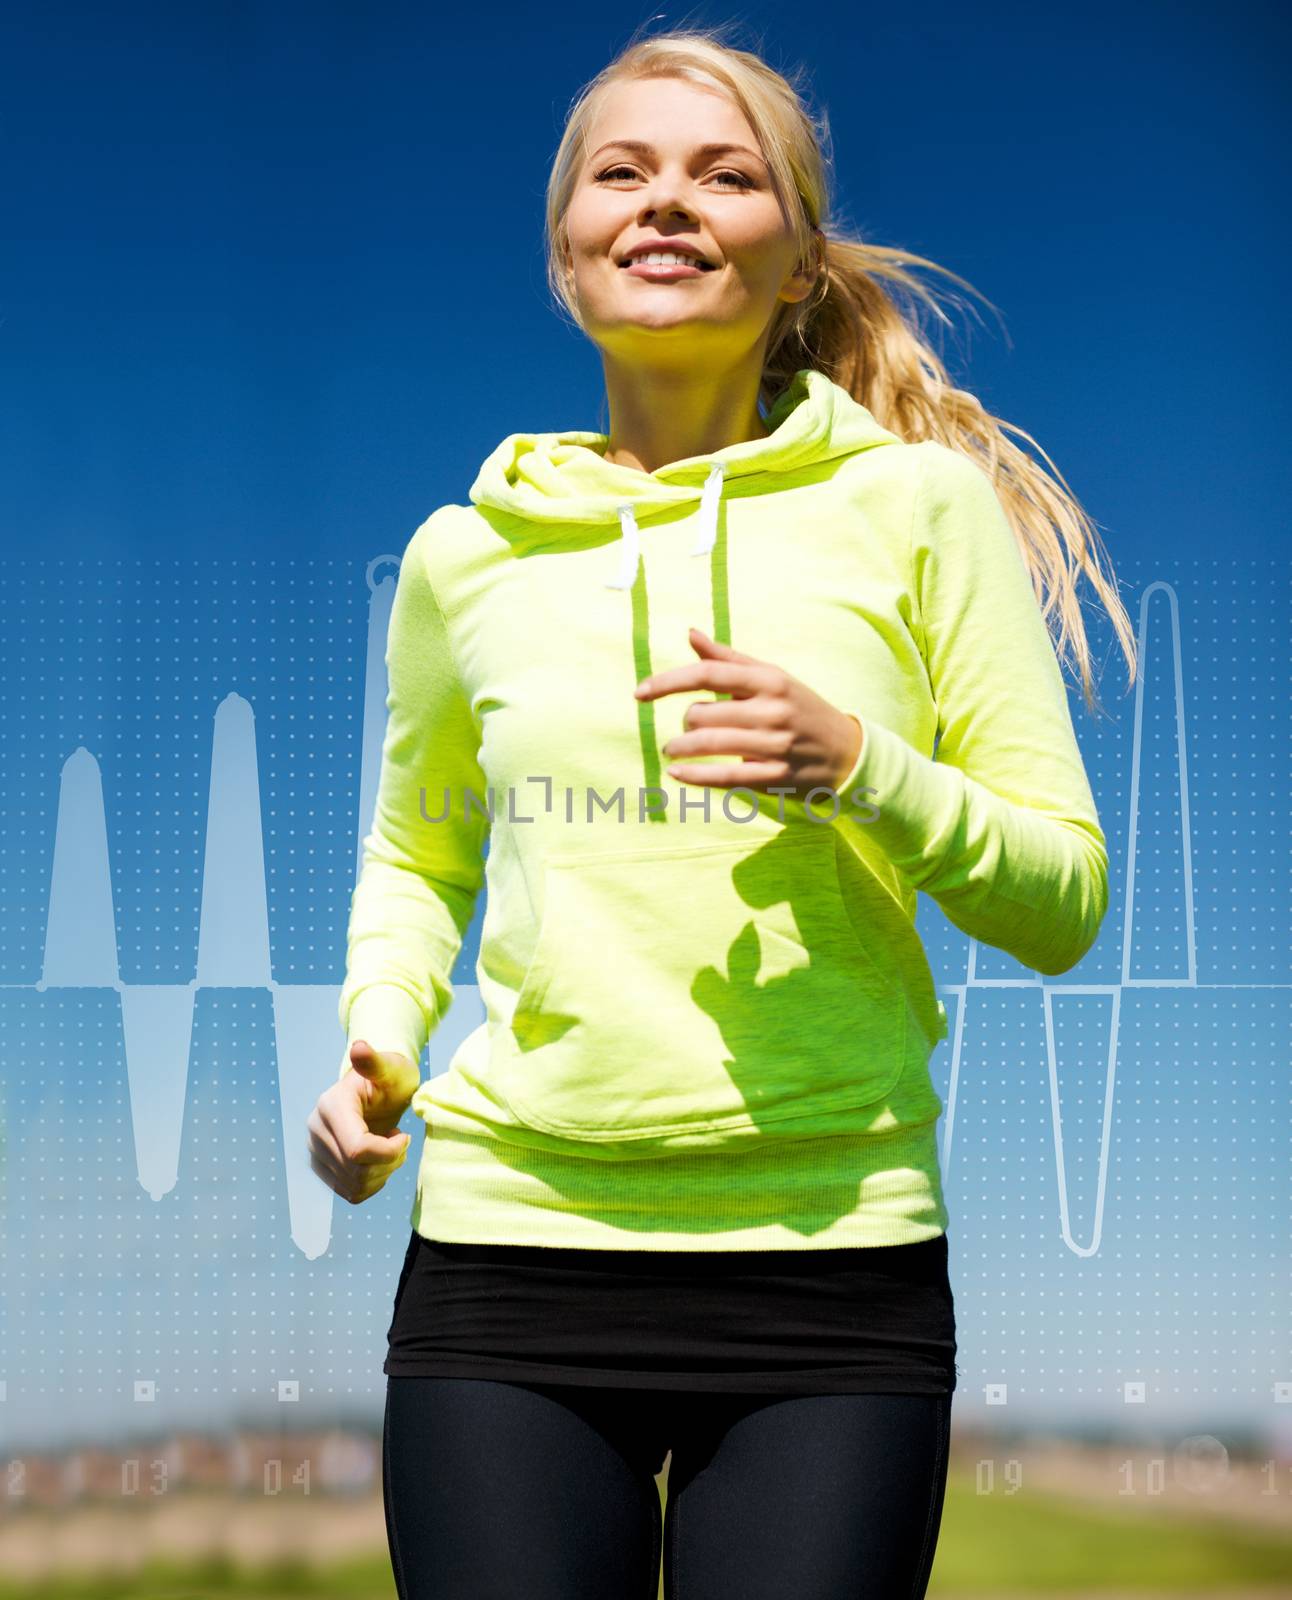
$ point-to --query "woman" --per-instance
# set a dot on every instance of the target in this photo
(680, 1191)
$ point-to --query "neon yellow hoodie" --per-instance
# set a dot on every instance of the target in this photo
(709, 1015)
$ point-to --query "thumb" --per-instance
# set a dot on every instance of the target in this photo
(363, 1058)
(376, 1063)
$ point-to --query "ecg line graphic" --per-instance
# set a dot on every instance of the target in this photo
(1189, 979)
(234, 949)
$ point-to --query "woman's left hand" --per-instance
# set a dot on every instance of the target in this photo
(786, 735)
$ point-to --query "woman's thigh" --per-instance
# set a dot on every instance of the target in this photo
(517, 1491)
(496, 1490)
(820, 1497)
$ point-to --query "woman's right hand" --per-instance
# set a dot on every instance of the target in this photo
(353, 1144)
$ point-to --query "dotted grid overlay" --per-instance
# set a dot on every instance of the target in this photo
(1117, 1160)
(1114, 1144)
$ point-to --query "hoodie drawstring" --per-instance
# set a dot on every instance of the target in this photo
(630, 544)
(630, 534)
(709, 498)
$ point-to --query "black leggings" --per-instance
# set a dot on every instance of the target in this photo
(530, 1491)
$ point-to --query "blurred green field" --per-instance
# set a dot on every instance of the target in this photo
(1027, 1544)
(1033, 1543)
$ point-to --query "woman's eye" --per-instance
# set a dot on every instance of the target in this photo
(739, 178)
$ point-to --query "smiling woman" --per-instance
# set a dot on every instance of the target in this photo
(672, 165)
(681, 1194)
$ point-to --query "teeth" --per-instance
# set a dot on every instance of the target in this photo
(667, 258)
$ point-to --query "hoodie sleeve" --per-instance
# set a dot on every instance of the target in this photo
(417, 888)
(1000, 828)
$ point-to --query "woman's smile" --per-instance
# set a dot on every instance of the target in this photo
(665, 271)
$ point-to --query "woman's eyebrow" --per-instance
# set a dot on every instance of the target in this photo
(641, 147)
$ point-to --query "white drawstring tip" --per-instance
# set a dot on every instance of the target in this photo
(709, 498)
(629, 547)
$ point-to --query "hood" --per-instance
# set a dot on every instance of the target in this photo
(565, 478)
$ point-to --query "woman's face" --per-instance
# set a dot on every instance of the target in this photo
(666, 186)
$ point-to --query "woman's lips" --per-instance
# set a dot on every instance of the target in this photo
(664, 271)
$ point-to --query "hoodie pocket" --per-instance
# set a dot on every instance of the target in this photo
(697, 988)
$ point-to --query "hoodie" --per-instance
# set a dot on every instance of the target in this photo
(708, 1016)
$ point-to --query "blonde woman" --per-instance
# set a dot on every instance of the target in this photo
(679, 1196)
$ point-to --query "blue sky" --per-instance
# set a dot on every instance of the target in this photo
(229, 319)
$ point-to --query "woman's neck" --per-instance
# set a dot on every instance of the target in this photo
(658, 417)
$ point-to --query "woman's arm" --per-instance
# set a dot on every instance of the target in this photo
(416, 893)
(1000, 829)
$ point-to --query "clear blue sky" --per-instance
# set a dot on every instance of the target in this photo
(228, 315)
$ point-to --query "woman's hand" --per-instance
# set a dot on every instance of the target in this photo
(353, 1144)
(787, 736)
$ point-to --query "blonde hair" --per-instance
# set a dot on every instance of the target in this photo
(853, 329)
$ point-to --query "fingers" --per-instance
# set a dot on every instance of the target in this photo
(347, 1155)
(714, 647)
(763, 711)
(767, 744)
(737, 678)
(757, 775)
(352, 1140)
(355, 1185)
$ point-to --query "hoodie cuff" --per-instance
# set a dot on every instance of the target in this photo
(882, 766)
(851, 781)
(389, 1018)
